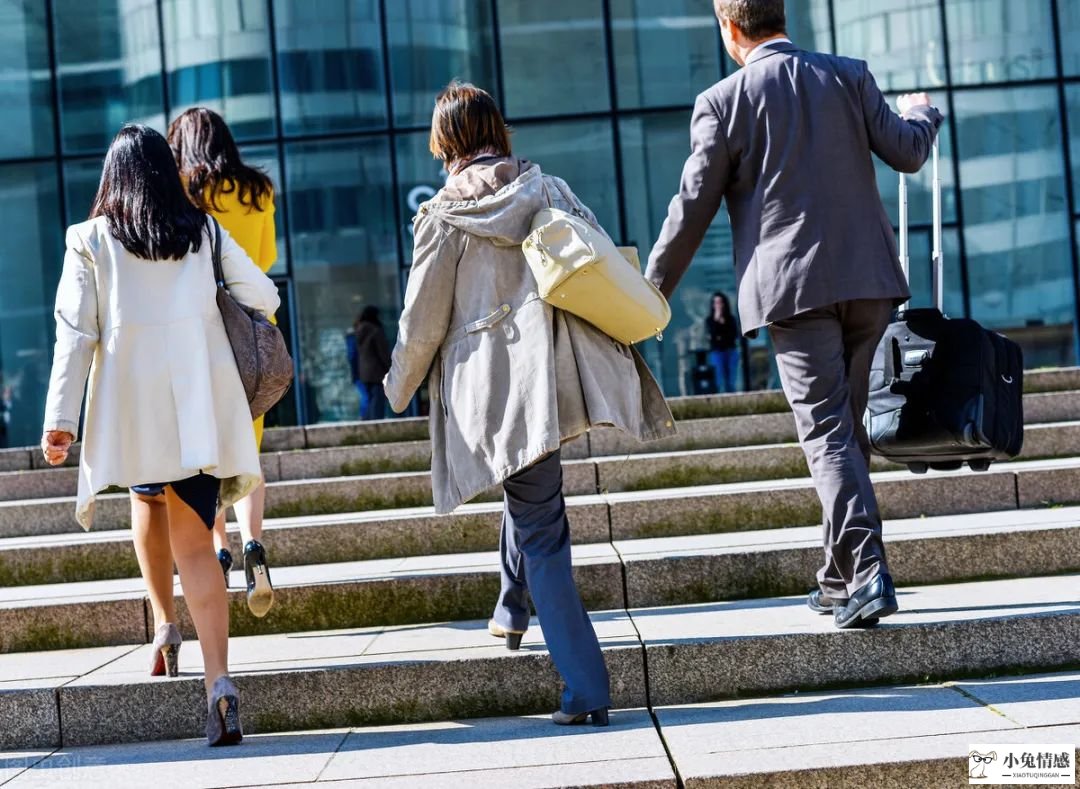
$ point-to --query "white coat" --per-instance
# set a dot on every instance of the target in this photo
(165, 400)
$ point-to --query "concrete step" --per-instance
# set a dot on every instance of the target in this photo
(906, 736)
(1060, 405)
(693, 654)
(626, 574)
(652, 471)
(1052, 431)
(45, 549)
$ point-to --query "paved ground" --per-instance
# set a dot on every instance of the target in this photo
(893, 736)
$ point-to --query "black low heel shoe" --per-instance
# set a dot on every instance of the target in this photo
(260, 592)
(225, 560)
(599, 717)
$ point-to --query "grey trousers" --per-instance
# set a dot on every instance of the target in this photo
(824, 358)
(535, 554)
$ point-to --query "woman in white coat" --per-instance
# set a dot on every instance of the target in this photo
(166, 413)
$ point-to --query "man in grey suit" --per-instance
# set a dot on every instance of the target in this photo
(786, 142)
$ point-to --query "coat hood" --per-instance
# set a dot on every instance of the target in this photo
(495, 200)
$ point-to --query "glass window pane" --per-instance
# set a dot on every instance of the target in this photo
(554, 57)
(1069, 16)
(109, 61)
(582, 154)
(654, 149)
(218, 56)
(808, 28)
(341, 226)
(25, 89)
(1072, 100)
(1017, 232)
(331, 65)
(900, 39)
(81, 177)
(265, 157)
(999, 40)
(420, 176)
(666, 51)
(431, 43)
(31, 255)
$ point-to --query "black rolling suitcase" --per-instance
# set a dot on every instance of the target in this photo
(943, 392)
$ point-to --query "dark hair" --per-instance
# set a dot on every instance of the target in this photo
(757, 19)
(370, 314)
(208, 158)
(467, 121)
(723, 298)
(143, 199)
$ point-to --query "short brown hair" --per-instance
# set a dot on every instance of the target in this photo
(467, 121)
(757, 19)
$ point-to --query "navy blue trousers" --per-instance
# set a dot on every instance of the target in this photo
(535, 554)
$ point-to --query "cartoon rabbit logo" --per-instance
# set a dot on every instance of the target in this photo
(977, 763)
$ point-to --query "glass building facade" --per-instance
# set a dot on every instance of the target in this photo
(333, 98)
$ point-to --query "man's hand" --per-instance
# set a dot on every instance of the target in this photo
(909, 100)
(56, 444)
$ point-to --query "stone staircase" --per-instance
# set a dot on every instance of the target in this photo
(693, 554)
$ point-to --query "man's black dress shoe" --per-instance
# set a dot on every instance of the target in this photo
(819, 603)
(875, 600)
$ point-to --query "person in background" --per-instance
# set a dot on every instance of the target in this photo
(815, 257)
(136, 310)
(511, 379)
(241, 199)
(723, 332)
(369, 359)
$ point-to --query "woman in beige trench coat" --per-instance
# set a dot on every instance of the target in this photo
(510, 378)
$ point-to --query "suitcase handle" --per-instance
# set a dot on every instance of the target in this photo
(937, 256)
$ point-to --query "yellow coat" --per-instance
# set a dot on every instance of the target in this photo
(254, 231)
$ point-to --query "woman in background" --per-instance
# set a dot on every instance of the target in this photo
(723, 332)
(369, 358)
(241, 199)
(136, 311)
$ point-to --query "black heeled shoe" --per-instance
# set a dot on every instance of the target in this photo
(260, 592)
(599, 717)
(225, 560)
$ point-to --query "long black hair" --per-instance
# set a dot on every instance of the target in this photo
(142, 198)
(208, 158)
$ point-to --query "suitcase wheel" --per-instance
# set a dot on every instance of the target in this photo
(979, 465)
(918, 468)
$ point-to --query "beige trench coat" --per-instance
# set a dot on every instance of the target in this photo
(510, 378)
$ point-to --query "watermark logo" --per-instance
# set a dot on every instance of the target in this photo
(1022, 764)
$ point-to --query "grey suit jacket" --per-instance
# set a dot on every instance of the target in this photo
(786, 141)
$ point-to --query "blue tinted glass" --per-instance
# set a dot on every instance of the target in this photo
(1000, 40)
(25, 92)
(900, 39)
(31, 255)
(109, 59)
(1016, 222)
(666, 51)
(218, 56)
(331, 65)
(554, 57)
(433, 42)
(344, 257)
(655, 148)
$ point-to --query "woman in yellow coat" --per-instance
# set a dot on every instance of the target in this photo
(241, 199)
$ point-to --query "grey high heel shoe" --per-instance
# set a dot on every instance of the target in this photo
(223, 714)
(165, 651)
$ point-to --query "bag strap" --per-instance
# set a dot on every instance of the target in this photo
(215, 253)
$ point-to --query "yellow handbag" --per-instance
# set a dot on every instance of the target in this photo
(580, 270)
